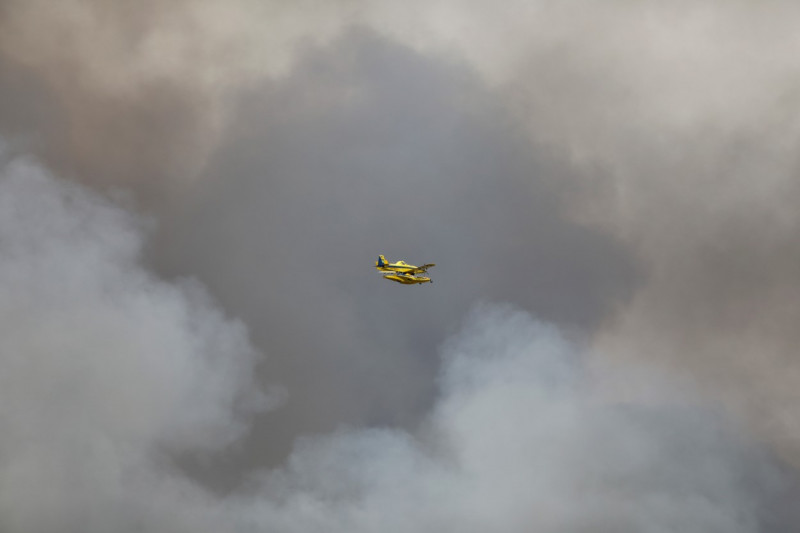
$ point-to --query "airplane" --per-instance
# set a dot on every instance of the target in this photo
(402, 272)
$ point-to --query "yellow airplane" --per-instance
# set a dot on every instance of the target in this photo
(402, 272)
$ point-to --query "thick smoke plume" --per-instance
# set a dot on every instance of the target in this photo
(518, 442)
(105, 369)
(108, 371)
(624, 170)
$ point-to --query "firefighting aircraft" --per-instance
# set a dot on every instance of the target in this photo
(402, 272)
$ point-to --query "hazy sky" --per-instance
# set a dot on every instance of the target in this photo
(193, 194)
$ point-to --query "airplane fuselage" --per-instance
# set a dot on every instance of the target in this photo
(400, 266)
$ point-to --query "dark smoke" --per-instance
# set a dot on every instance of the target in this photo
(363, 151)
(623, 171)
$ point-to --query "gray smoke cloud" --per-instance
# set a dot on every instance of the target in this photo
(687, 139)
(104, 366)
(623, 170)
(518, 442)
(108, 372)
(140, 96)
(302, 197)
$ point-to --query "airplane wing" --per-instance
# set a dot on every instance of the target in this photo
(424, 268)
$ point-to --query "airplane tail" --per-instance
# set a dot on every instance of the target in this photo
(381, 261)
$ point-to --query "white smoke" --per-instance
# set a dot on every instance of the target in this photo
(105, 369)
(517, 442)
(102, 366)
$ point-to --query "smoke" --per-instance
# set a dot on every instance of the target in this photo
(109, 372)
(679, 125)
(105, 368)
(518, 442)
(141, 96)
(686, 139)
(623, 170)
(364, 150)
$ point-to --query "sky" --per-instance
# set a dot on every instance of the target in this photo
(193, 336)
